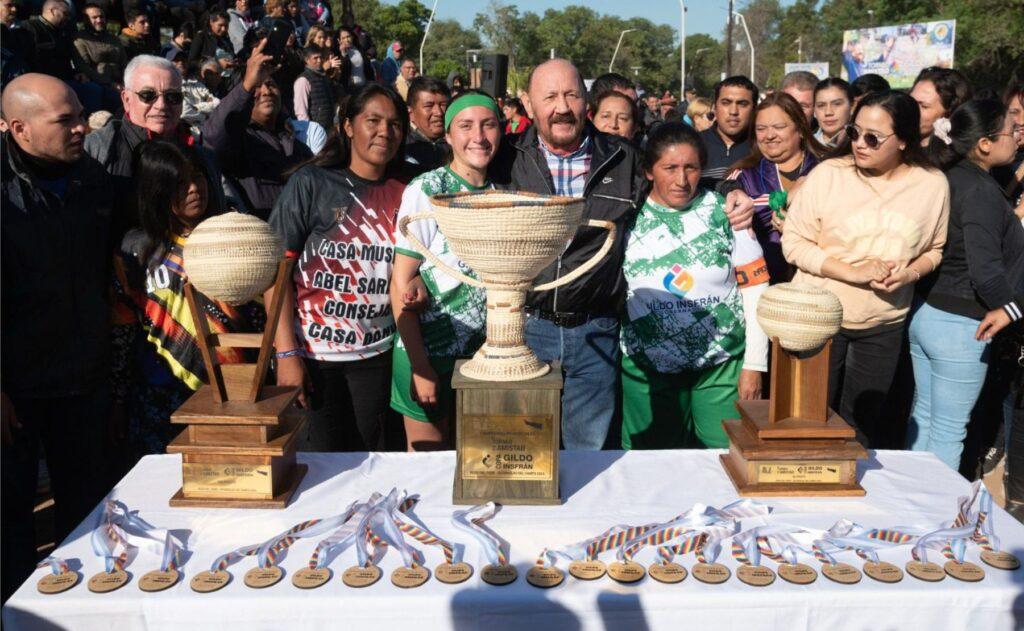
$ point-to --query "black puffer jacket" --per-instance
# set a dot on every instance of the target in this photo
(613, 191)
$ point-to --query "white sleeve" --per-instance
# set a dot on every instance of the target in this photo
(752, 277)
(415, 201)
(316, 137)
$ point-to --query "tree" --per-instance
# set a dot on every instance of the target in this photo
(446, 48)
(404, 22)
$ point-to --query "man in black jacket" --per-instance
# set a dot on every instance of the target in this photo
(578, 324)
(55, 366)
(425, 147)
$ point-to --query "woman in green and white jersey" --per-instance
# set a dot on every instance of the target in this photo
(690, 340)
(452, 325)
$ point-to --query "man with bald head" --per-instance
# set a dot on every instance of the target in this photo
(54, 366)
(578, 324)
(152, 100)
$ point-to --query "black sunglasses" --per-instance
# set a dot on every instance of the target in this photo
(872, 140)
(171, 97)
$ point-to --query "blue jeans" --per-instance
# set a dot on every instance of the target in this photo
(949, 370)
(590, 364)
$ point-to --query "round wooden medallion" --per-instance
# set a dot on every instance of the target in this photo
(1000, 560)
(711, 573)
(587, 570)
(158, 580)
(756, 575)
(797, 573)
(308, 578)
(57, 583)
(499, 574)
(884, 572)
(628, 572)
(453, 573)
(667, 572)
(966, 571)
(926, 571)
(842, 573)
(108, 581)
(409, 577)
(545, 577)
(206, 582)
(358, 576)
(261, 578)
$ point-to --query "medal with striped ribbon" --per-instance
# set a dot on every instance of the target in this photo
(60, 579)
(498, 571)
(110, 542)
(316, 573)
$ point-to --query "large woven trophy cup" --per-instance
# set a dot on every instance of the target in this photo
(793, 444)
(238, 449)
(507, 401)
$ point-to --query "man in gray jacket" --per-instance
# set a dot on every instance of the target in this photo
(239, 23)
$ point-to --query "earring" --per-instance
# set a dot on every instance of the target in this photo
(902, 147)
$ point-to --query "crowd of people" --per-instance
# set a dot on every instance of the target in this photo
(907, 205)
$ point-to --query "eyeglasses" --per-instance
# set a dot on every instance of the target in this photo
(710, 116)
(171, 97)
(871, 139)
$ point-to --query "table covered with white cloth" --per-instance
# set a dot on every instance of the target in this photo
(600, 489)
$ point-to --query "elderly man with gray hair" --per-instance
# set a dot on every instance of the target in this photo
(799, 84)
(152, 99)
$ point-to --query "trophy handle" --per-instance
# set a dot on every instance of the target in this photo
(403, 227)
(594, 260)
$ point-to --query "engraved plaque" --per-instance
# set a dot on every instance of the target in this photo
(799, 472)
(243, 481)
(507, 447)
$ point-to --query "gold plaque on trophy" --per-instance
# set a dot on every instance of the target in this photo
(507, 447)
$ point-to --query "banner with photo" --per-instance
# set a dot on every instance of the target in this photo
(899, 52)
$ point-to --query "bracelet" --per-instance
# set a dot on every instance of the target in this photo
(285, 354)
(916, 272)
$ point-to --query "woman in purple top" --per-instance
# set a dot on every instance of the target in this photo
(785, 151)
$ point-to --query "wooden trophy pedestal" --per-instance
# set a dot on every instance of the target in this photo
(507, 438)
(238, 450)
(793, 444)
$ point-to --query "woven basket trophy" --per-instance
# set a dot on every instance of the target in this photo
(232, 257)
(801, 316)
(507, 239)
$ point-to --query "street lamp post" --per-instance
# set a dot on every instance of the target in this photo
(425, 32)
(682, 50)
(750, 43)
(616, 53)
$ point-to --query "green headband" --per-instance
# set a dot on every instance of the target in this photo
(467, 101)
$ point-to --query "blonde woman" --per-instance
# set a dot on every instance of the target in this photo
(700, 113)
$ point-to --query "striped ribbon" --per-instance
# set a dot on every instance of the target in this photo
(688, 545)
(121, 530)
(940, 539)
(383, 526)
(418, 531)
(109, 540)
(472, 521)
(348, 533)
(954, 550)
(222, 562)
(269, 554)
(57, 565)
(749, 546)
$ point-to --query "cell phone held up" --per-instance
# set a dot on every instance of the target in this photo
(277, 40)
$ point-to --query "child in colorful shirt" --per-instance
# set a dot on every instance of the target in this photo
(690, 341)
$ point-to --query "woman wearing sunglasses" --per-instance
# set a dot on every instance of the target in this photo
(867, 226)
(337, 216)
(700, 113)
(976, 291)
(156, 360)
(784, 153)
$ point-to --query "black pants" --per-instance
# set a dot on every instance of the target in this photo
(863, 362)
(70, 431)
(349, 404)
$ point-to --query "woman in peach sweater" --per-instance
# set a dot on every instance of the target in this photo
(867, 226)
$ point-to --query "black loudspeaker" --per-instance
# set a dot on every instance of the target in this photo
(494, 74)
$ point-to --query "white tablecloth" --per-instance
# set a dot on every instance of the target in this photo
(599, 489)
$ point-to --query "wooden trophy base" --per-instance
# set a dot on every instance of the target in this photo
(238, 454)
(507, 439)
(794, 457)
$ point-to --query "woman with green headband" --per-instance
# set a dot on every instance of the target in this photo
(452, 325)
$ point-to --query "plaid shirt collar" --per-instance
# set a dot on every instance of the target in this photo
(569, 173)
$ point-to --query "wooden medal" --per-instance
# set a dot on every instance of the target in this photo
(628, 572)
(842, 573)
(667, 572)
(711, 573)
(797, 573)
(357, 576)
(499, 574)
(926, 571)
(308, 578)
(587, 570)
(206, 582)
(158, 580)
(966, 571)
(57, 583)
(756, 575)
(261, 578)
(409, 577)
(108, 581)
(453, 573)
(1000, 560)
(545, 577)
(883, 572)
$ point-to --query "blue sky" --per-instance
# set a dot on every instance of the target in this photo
(702, 16)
